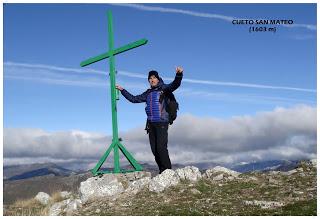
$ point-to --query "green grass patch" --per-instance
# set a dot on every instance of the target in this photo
(301, 208)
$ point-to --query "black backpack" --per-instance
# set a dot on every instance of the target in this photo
(172, 106)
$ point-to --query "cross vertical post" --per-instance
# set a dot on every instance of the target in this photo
(113, 98)
(115, 145)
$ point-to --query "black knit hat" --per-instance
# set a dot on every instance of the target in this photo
(154, 73)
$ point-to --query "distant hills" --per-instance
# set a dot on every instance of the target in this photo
(276, 165)
(18, 172)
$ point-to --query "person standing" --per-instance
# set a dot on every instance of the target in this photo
(157, 116)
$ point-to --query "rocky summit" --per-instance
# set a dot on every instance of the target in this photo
(187, 191)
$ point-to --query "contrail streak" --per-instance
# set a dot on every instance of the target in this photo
(200, 14)
(143, 76)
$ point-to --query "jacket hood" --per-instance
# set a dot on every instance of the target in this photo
(160, 83)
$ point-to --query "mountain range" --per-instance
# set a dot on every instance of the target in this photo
(18, 172)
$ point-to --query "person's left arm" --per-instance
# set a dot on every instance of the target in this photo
(176, 82)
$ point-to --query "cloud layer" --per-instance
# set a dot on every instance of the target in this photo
(280, 134)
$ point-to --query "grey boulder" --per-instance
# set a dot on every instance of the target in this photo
(136, 186)
(218, 173)
(164, 180)
(65, 194)
(314, 162)
(189, 173)
(43, 198)
(57, 208)
(97, 187)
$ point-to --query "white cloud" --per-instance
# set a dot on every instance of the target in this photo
(21, 142)
(280, 134)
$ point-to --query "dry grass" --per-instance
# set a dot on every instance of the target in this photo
(25, 203)
(56, 197)
(31, 207)
(27, 207)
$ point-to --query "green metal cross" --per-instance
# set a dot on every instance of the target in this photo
(115, 145)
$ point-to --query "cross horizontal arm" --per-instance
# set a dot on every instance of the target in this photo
(130, 46)
(114, 52)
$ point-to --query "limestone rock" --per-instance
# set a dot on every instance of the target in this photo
(72, 206)
(132, 176)
(231, 178)
(314, 162)
(290, 172)
(253, 178)
(57, 208)
(164, 180)
(273, 181)
(43, 198)
(218, 177)
(95, 187)
(264, 204)
(302, 174)
(273, 172)
(136, 186)
(195, 191)
(66, 206)
(218, 172)
(65, 194)
(189, 173)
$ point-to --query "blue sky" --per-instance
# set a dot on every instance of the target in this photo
(225, 65)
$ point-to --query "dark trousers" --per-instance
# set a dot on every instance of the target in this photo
(158, 137)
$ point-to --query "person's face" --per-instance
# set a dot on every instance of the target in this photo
(153, 81)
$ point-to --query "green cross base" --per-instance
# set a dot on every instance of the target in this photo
(115, 145)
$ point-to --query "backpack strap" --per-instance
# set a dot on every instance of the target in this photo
(147, 128)
(162, 95)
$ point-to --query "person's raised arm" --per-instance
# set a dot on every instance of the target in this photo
(176, 82)
(133, 99)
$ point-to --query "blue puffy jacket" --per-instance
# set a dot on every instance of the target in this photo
(155, 110)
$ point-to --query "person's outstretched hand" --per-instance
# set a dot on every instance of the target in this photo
(119, 87)
(179, 70)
